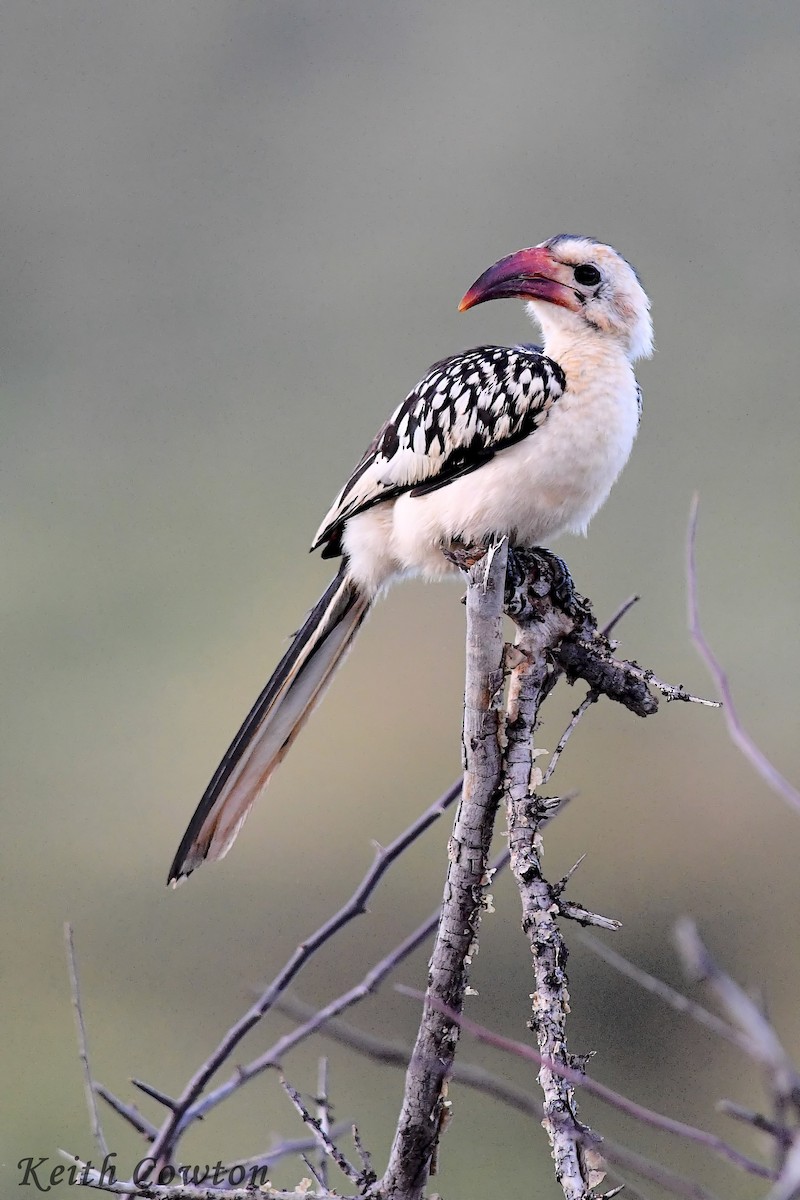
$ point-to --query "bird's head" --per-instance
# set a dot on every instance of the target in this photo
(573, 285)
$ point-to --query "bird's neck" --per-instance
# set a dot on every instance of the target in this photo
(587, 355)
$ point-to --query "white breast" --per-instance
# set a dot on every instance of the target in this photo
(552, 482)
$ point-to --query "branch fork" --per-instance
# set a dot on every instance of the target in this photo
(556, 633)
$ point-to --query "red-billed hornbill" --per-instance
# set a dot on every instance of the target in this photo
(500, 440)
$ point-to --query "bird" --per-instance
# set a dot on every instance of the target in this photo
(521, 441)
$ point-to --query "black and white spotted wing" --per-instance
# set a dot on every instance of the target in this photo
(465, 409)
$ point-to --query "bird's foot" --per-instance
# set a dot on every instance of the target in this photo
(545, 574)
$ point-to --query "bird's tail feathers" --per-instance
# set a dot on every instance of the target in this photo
(273, 723)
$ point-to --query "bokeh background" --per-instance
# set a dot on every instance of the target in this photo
(233, 235)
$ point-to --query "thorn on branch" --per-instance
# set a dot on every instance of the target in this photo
(128, 1112)
(155, 1094)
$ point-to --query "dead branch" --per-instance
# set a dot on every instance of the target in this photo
(478, 1079)
(183, 1112)
(557, 634)
(418, 1125)
(325, 1141)
(540, 628)
(638, 1112)
(657, 987)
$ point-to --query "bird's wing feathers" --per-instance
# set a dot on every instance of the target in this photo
(465, 409)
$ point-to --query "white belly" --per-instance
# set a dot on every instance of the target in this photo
(552, 482)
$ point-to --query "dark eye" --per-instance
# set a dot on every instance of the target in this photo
(587, 275)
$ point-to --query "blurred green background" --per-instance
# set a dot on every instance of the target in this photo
(233, 236)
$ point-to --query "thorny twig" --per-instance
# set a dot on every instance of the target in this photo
(657, 987)
(759, 1037)
(129, 1112)
(324, 1139)
(183, 1113)
(498, 1088)
(540, 626)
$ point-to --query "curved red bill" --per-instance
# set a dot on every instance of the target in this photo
(530, 274)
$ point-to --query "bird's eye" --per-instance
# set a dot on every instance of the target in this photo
(587, 275)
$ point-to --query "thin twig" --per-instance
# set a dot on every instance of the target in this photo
(787, 1186)
(324, 1140)
(657, 987)
(589, 699)
(759, 1037)
(600, 1091)
(323, 1116)
(314, 1170)
(616, 617)
(756, 1120)
(736, 731)
(286, 1148)
(155, 1094)
(367, 1169)
(83, 1051)
(480, 1080)
(672, 691)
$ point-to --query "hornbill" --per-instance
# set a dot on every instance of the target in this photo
(520, 441)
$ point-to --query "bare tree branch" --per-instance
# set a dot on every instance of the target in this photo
(557, 635)
(645, 1116)
(736, 731)
(462, 905)
(759, 1037)
(478, 1079)
(540, 627)
(756, 1120)
(657, 987)
(328, 1145)
(180, 1116)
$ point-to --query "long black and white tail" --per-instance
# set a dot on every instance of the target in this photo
(272, 724)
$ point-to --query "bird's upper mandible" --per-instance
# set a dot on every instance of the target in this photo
(573, 282)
